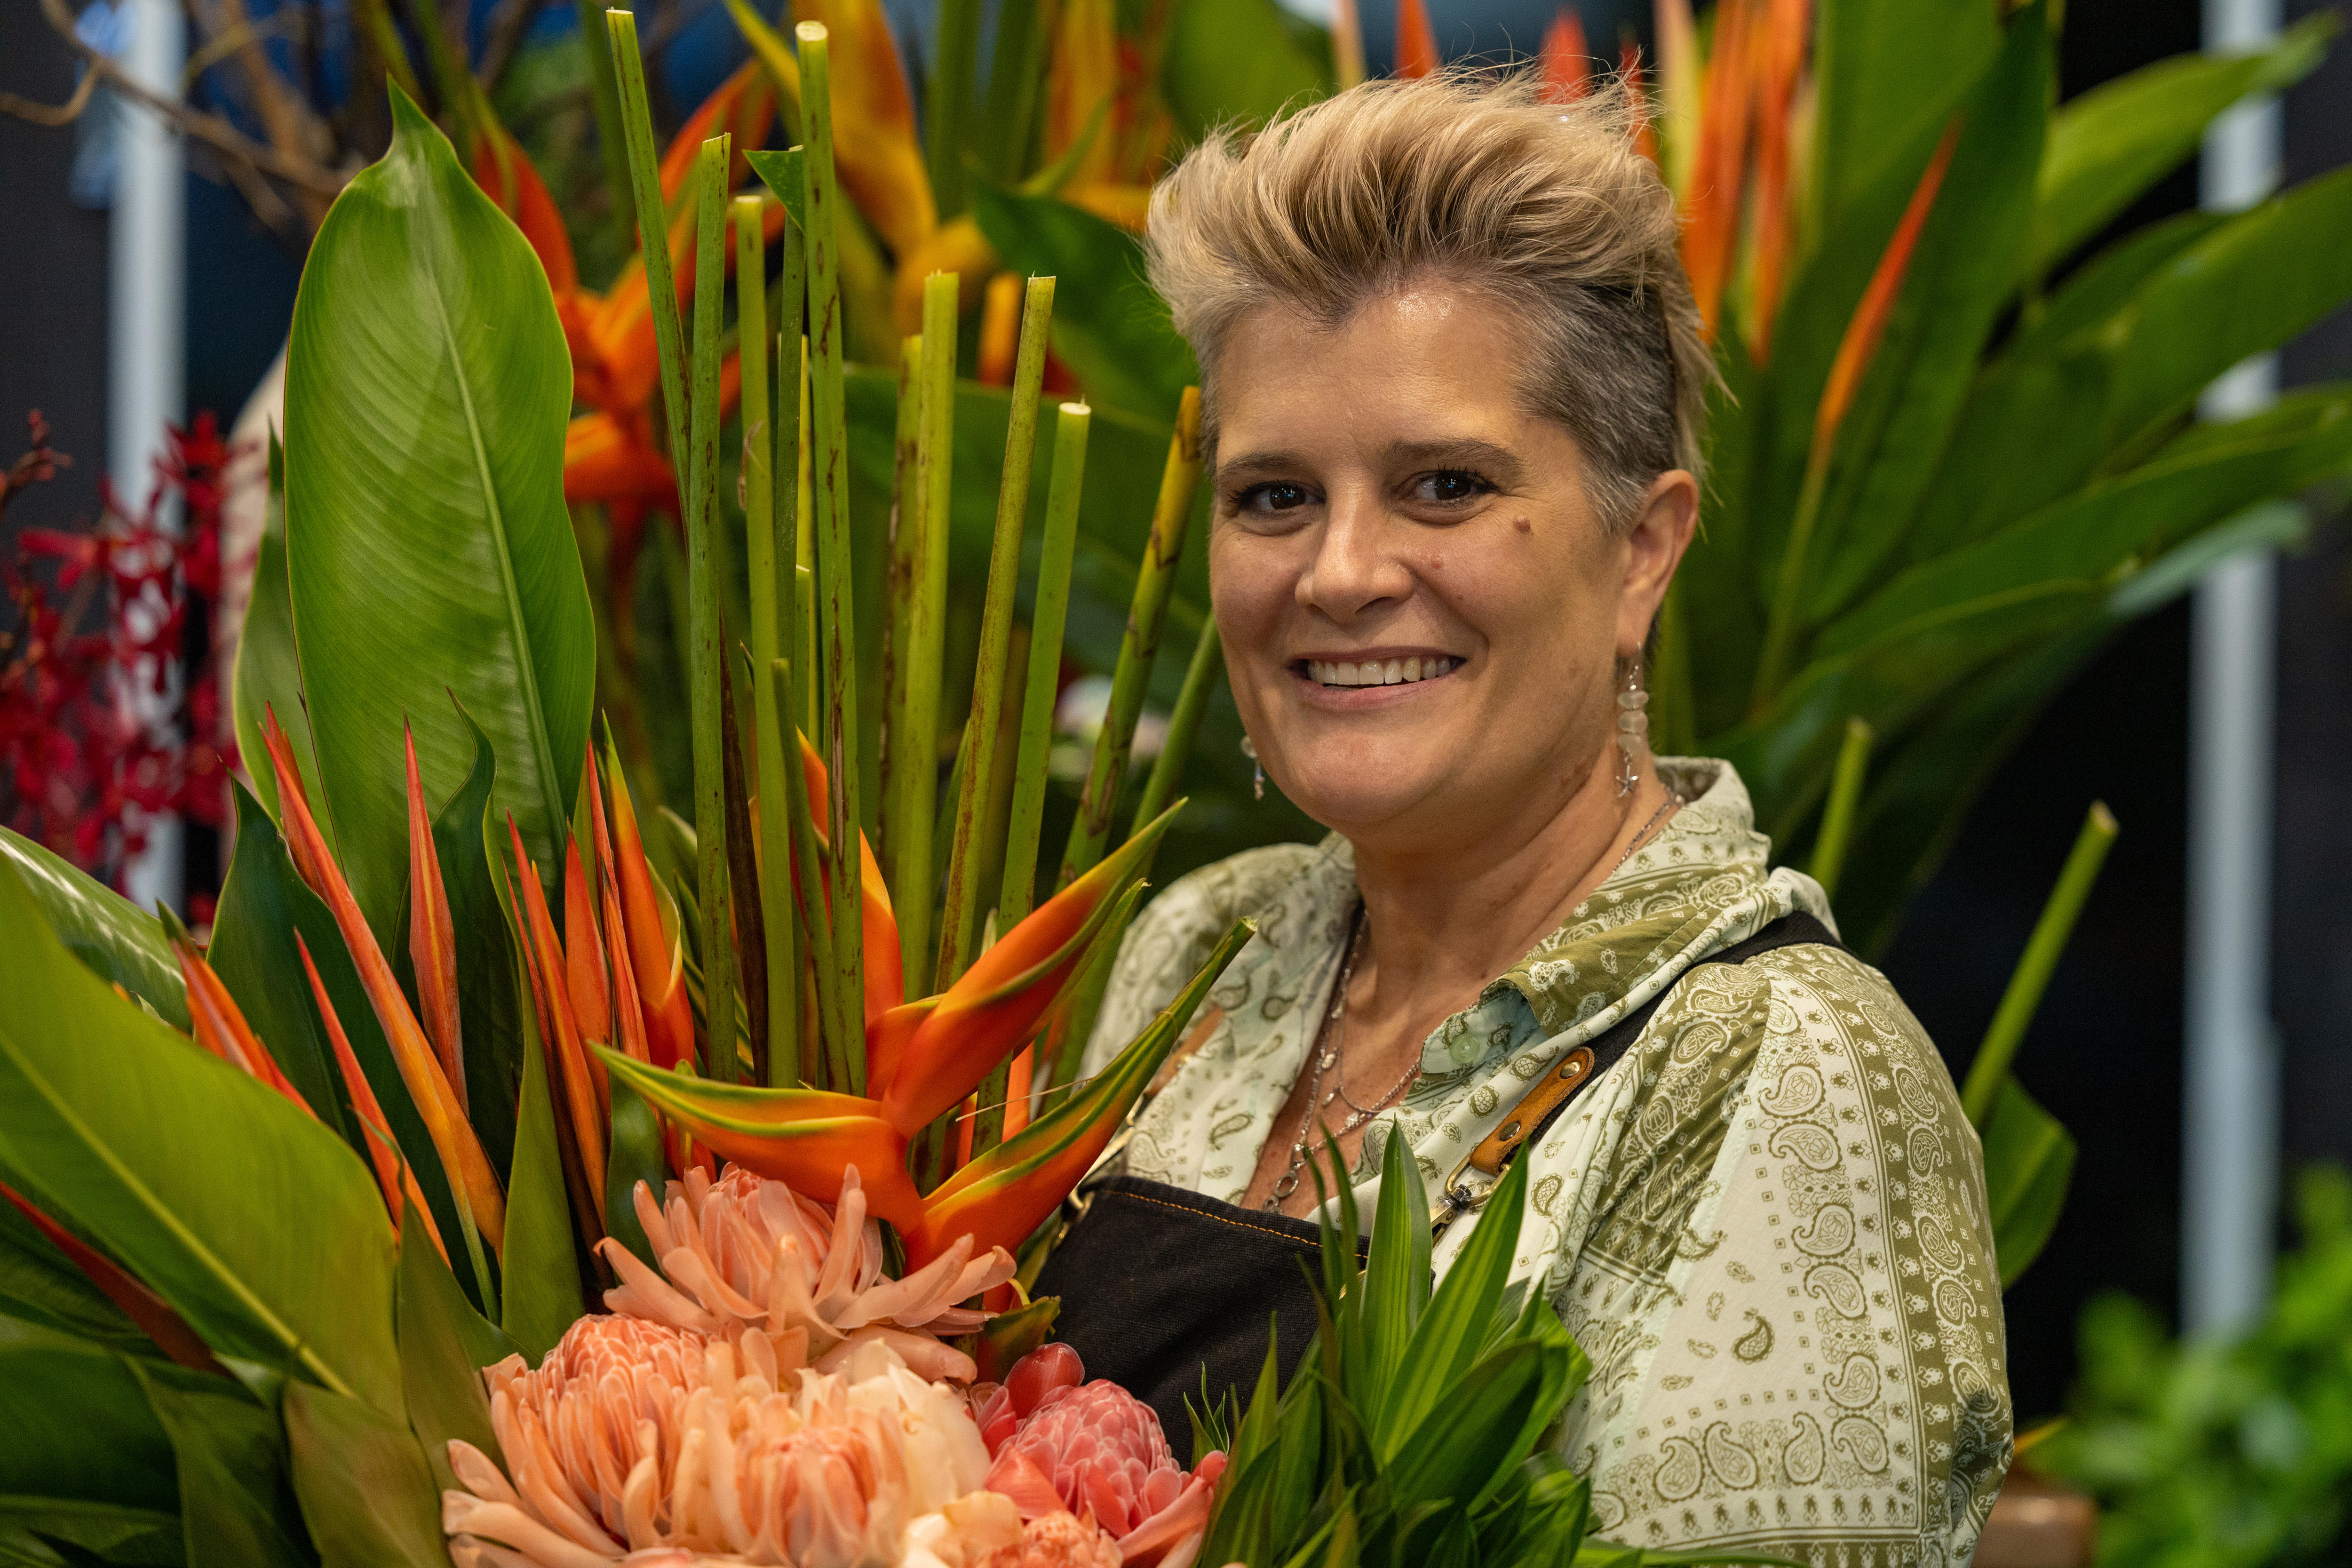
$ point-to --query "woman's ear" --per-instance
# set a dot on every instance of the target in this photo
(1660, 531)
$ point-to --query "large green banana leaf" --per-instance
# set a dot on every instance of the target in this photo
(429, 549)
(118, 942)
(252, 1220)
(268, 676)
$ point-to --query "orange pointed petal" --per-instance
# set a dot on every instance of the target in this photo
(1567, 64)
(1869, 322)
(1018, 1085)
(887, 1038)
(1719, 174)
(749, 84)
(1000, 329)
(375, 1132)
(508, 176)
(802, 1137)
(583, 953)
(996, 1005)
(220, 1026)
(462, 1159)
(881, 162)
(1004, 1194)
(567, 1058)
(1416, 41)
(1084, 77)
(655, 954)
(878, 923)
(432, 940)
(608, 462)
(170, 1330)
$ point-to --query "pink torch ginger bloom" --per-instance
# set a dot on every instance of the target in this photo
(745, 1251)
(1096, 1450)
(638, 1438)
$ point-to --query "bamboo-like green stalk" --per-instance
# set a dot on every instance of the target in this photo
(604, 99)
(829, 473)
(825, 1056)
(1046, 620)
(770, 625)
(1845, 794)
(805, 692)
(1183, 725)
(963, 904)
(2007, 1031)
(707, 628)
(645, 181)
(898, 597)
(1090, 834)
(955, 46)
(914, 729)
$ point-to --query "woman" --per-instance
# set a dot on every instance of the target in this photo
(1453, 388)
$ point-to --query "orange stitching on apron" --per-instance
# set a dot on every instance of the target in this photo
(1218, 1219)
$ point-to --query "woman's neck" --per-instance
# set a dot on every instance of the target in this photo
(1439, 927)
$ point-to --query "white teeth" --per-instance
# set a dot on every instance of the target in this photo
(1377, 673)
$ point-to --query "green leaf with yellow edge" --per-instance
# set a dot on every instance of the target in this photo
(429, 551)
(364, 1489)
(114, 939)
(2028, 1162)
(252, 1220)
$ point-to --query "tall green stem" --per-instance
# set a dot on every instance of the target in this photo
(824, 1059)
(1183, 724)
(604, 99)
(644, 180)
(1090, 834)
(829, 470)
(963, 902)
(707, 629)
(898, 597)
(948, 113)
(1046, 620)
(2007, 1032)
(1837, 817)
(771, 617)
(915, 776)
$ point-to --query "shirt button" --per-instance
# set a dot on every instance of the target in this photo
(1465, 1048)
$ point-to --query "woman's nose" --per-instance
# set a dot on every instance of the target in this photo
(1356, 565)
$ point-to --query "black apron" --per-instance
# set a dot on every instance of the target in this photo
(1165, 1291)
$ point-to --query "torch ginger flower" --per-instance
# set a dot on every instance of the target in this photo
(635, 1437)
(746, 1252)
(1060, 1443)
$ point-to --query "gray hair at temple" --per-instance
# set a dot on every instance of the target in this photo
(1546, 209)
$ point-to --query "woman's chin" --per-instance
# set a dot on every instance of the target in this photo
(1362, 796)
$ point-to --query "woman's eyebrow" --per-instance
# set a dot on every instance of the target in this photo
(1258, 466)
(1495, 462)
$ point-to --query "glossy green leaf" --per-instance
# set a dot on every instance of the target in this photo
(252, 1220)
(41, 1286)
(1957, 280)
(2247, 287)
(1108, 326)
(50, 1532)
(541, 1281)
(1397, 1282)
(268, 677)
(236, 1503)
(264, 904)
(114, 1453)
(2108, 145)
(253, 953)
(429, 551)
(1240, 63)
(365, 1491)
(1453, 1324)
(2028, 1161)
(115, 938)
(488, 1000)
(636, 1155)
(444, 1345)
(1888, 74)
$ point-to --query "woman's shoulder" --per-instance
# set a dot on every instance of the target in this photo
(1174, 933)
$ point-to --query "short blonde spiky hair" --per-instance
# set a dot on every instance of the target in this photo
(1466, 175)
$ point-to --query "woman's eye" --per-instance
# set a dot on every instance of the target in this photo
(1450, 486)
(1272, 497)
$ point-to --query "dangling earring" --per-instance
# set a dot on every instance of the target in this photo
(1632, 730)
(1257, 769)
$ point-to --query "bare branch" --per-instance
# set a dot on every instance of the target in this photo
(52, 114)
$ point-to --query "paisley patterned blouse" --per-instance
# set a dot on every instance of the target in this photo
(1766, 1224)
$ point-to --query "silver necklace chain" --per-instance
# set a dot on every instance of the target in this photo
(1333, 1039)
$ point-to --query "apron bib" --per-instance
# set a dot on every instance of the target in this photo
(1163, 1291)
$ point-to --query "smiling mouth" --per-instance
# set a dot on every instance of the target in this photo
(1376, 672)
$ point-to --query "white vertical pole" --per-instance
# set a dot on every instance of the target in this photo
(2230, 1081)
(146, 333)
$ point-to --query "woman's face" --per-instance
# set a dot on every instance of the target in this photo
(1387, 507)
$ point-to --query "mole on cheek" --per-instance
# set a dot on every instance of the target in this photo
(1524, 525)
